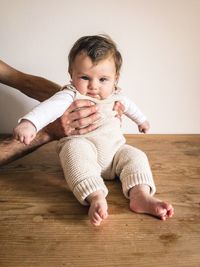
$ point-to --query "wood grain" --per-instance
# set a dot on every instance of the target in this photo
(42, 224)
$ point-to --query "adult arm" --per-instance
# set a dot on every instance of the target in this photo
(11, 149)
(32, 86)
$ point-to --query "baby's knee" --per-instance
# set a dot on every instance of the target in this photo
(76, 149)
(132, 152)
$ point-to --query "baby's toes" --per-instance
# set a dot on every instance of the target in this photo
(162, 213)
(103, 213)
(170, 212)
(96, 219)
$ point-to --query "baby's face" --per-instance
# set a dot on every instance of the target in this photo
(94, 80)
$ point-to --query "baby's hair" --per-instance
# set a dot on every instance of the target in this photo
(96, 47)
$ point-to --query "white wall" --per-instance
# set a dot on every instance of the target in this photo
(159, 41)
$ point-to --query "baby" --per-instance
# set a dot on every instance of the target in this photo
(87, 160)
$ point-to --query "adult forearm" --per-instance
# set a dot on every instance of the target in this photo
(38, 87)
(32, 86)
(11, 149)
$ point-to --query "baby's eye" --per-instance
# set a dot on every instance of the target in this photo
(84, 78)
(103, 79)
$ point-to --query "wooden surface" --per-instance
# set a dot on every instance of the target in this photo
(41, 223)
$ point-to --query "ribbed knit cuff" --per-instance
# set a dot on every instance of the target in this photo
(88, 186)
(138, 179)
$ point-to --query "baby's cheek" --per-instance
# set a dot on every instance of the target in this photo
(105, 93)
(81, 87)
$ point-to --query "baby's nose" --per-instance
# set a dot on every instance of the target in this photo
(93, 85)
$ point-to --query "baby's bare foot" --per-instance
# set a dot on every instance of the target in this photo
(142, 202)
(98, 208)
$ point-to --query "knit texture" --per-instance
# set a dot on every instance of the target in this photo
(102, 154)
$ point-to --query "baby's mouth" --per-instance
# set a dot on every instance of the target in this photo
(94, 96)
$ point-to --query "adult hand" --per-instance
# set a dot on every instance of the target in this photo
(78, 119)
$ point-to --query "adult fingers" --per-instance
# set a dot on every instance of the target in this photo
(85, 130)
(81, 103)
(82, 113)
(84, 122)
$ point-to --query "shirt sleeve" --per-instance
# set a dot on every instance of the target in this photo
(49, 110)
(132, 111)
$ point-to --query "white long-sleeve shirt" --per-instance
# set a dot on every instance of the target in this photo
(51, 109)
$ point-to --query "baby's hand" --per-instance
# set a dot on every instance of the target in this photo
(25, 132)
(144, 127)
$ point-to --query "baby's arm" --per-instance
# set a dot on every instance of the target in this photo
(43, 114)
(135, 114)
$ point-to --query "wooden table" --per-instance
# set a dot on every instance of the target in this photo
(42, 224)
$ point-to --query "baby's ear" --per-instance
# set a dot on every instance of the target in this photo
(116, 87)
(69, 73)
(116, 78)
(70, 76)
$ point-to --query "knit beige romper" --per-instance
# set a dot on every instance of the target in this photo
(87, 160)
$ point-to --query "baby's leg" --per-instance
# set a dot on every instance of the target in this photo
(25, 132)
(137, 182)
(83, 175)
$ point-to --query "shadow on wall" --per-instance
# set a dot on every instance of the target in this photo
(13, 105)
